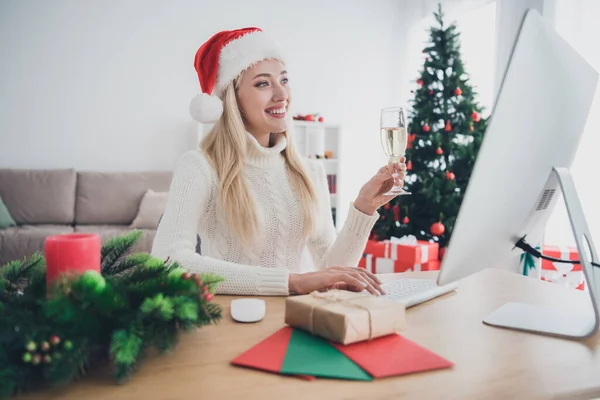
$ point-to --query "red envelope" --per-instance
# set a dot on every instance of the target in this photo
(392, 355)
(268, 355)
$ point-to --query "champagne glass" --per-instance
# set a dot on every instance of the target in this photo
(393, 141)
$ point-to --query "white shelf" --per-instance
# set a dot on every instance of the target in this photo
(316, 138)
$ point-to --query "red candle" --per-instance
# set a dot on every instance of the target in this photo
(72, 253)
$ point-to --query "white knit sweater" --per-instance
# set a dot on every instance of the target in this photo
(192, 210)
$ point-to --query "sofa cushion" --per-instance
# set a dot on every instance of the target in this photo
(39, 196)
(106, 232)
(105, 198)
(6, 220)
(19, 242)
(152, 207)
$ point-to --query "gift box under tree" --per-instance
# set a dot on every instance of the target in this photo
(406, 249)
(384, 265)
(566, 274)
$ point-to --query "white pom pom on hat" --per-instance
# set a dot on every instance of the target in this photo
(220, 60)
(205, 108)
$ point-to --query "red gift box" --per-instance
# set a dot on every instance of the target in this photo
(383, 265)
(569, 275)
(375, 248)
(419, 253)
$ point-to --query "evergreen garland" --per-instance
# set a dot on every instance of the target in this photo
(53, 336)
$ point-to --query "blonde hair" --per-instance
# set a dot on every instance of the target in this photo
(225, 147)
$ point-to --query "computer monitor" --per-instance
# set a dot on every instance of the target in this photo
(522, 168)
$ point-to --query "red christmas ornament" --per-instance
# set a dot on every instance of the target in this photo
(411, 139)
(185, 276)
(471, 128)
(54, 340)
(426, 128)
(439, 151)
(387, 206)
(476, 117)
(431, 92)
(458, 91)
(409, 165)
(396, 210)
(450, 176)
(209, 296)
(437, 229)
(405, 220)
(420, 82)
(448, 127)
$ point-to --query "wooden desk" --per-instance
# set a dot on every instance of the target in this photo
(490, 363)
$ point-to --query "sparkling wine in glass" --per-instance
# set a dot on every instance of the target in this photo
(393, 141)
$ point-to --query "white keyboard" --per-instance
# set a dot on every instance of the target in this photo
(412, 291)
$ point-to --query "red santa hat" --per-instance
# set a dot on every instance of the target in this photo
(220, 60)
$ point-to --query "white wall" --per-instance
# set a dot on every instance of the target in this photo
(577, 22)
(85, 81)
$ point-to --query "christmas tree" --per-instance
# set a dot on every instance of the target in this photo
(445, 128)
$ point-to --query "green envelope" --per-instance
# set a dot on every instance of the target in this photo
(310, 355)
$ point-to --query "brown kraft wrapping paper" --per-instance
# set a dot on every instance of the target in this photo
(345, 317)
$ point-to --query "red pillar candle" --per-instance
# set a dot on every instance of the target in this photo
(72, 253)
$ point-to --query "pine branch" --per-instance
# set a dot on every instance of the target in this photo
(17, 270)
(116, 248)
(125, 347)
(126, 266)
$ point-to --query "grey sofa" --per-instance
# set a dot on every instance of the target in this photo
(49, 202)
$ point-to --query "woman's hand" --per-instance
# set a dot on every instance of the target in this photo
(343, 278)
(372, 194)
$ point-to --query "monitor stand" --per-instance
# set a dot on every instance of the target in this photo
(567, 323)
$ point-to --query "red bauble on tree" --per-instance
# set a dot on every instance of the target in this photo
(437, 229)
(410, 140)
(405, 220)
(471, 128)
(420, 82)
(439, 151)
(450, 176)
(448, 127)
(409, 165)
(396, 210)
(426, 128)
(476, 117)
(387, 206)
(458, 91)
(431, 92)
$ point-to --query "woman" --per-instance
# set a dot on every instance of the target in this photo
(248, 195)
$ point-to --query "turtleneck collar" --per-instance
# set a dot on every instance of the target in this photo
(260, 156)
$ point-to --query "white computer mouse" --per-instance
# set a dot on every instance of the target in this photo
(248, 310)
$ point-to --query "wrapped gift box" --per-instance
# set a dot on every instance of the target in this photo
(383, 265)
(344, 317)
(569, 275)
(407, 249)
(375, 248)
